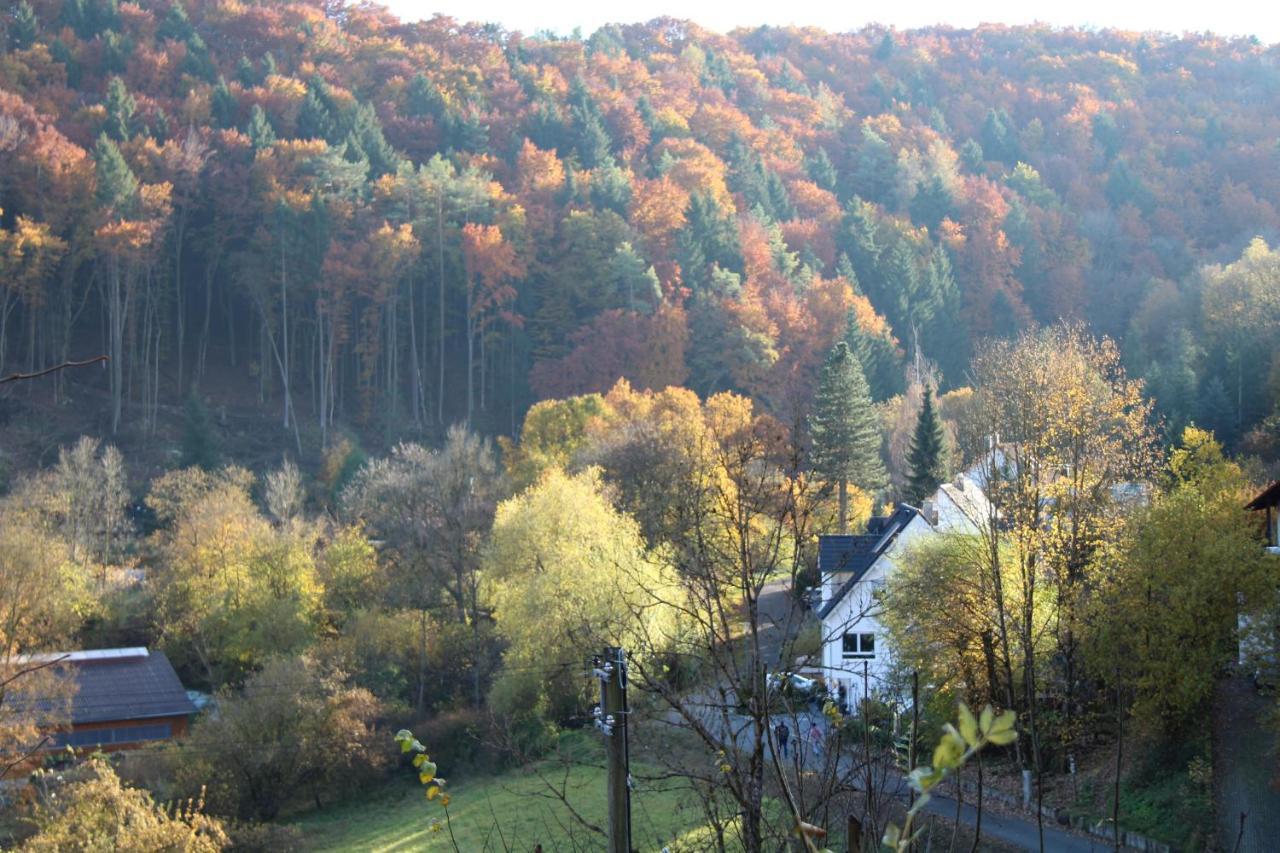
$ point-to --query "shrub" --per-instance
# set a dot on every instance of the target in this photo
(99, 812)
(293, 731)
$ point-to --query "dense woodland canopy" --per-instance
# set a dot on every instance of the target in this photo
(706, 290)
(389, 227)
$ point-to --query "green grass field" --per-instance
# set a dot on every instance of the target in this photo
(513, 811)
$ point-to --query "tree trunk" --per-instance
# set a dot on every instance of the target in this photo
(843, 489)
(284, 330)
(440, 261)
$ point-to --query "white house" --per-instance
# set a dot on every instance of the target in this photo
(853, 568)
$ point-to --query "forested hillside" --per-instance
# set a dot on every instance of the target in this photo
(354, 222)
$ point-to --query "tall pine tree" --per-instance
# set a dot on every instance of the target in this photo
(23, 27)
(925, 458)
(846, 435)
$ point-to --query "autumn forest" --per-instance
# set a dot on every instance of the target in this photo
(391, 227)
(379, 375)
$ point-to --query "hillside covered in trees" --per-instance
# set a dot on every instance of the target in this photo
(354, 222)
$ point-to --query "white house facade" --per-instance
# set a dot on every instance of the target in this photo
(856, 654)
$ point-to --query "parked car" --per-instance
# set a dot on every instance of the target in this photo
(797, 686)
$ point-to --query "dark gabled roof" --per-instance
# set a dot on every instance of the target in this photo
(840, 553)
(1270, 497)
(130, 688)
(857, 554)
(121, 684)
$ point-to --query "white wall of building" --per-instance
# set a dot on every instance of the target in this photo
(859, 611)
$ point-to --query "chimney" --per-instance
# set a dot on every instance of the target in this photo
(929, 510)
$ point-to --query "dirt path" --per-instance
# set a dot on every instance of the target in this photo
(1245, 768)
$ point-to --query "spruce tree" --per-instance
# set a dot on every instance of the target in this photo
(821, 170)
(315, 119)
(117, 185)
(223, 105)
(120, 107)
(246, 73)
(176, 25)
(845, 431)
(925, 458)
(199, 442)
(23, 27)
(260, 132)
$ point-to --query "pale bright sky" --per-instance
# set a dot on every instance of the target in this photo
(1226, 17)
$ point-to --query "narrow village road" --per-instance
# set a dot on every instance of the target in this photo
(1245, 768)
(1017, 831)
(781, 616)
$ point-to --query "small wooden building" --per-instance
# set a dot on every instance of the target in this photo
(1269, 502)
(124, 698)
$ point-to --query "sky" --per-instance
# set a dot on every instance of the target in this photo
(1226, 17)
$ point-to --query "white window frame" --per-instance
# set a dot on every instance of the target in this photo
(864, 650)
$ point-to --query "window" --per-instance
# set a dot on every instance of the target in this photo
(859, 645)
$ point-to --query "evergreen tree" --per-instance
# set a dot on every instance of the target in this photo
(820, 169)
(160, 129)
(23, 27)
(943, 339)
(223, 105)
(709, 240)
(260, 131)
(117, 185)
(931, 204)
(845, 270)
(464, 131)
(315, 121)
(879, 359)
(860, 242)
(91, 17)
(610, 187)
(900, 297)
(972, 155)
(885, 49)
(593, 140)
(115, 52)
(198, 62)
(845, 430)
(779, 200)
(637, 283)
(925, 458)
(422, 99)
(120, 107)
(176, 25)
(367, 130)
(1000, 137)
(1217, 412)
(199, 443)
(876, 171)
(246, 74)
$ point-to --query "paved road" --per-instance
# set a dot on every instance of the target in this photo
(780, 620)
(1245, 768)
(1015, 831)
(781, 617)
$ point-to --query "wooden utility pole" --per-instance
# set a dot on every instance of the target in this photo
(613, 722)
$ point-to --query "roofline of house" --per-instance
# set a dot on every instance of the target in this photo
(85, 655)
(878, 550)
